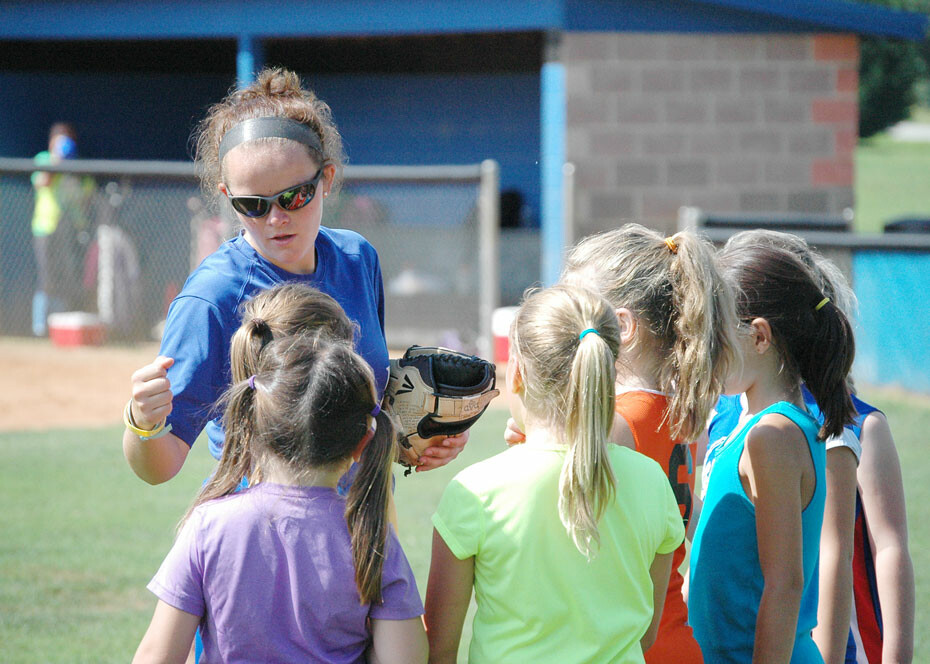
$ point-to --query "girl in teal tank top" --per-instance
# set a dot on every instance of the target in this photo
(753, 581)
(730, 595)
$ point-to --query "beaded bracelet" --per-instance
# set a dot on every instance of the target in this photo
(145, 434)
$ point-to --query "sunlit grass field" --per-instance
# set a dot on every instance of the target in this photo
(892, 180)
(80, 535)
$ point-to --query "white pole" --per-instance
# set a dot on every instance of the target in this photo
(489, 253)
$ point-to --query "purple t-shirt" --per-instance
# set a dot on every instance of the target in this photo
(270, 570)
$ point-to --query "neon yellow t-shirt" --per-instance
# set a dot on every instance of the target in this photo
(539, 599)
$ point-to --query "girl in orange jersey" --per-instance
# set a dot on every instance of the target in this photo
(677, 319)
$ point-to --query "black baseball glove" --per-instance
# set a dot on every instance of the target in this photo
(436, 391)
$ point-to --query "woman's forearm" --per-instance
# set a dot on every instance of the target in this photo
(157, 460)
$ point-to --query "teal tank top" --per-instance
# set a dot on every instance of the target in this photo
(726, 577)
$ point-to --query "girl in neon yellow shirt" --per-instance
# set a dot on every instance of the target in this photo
(567, 540)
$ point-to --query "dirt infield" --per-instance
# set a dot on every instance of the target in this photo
(49, 387)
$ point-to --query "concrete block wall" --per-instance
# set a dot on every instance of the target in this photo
(728, 123)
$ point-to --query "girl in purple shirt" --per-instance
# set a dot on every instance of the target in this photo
(287, 570)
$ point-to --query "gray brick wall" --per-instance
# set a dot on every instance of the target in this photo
(729, 123)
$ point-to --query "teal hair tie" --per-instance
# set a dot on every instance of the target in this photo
(587, 332)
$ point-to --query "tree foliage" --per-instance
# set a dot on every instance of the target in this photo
(888, 70)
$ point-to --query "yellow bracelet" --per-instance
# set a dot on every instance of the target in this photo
(144, 434)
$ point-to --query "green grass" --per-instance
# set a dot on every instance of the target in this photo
(81, 535)
(892, 179)
(921, 113)
(418, 495)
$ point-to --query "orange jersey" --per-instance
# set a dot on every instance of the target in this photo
(644, 413)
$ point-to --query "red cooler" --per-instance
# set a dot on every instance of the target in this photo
(75, 328)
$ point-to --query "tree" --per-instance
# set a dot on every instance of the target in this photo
(888, 70)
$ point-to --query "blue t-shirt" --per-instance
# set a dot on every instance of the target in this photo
(207, 312)
(726, 575)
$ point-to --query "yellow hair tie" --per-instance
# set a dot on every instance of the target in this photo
(670, 243)
(821, 303)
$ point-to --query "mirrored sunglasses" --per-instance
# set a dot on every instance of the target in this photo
(291, 199)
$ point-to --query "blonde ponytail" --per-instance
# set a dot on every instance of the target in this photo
(566, 340)
(685, 309)
(702, 339)
(587, 482)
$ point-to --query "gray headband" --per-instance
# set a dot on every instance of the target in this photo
(269, 127)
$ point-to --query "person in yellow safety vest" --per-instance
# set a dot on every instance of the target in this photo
(60, 225)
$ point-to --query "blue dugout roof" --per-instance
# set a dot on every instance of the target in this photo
(193, 19)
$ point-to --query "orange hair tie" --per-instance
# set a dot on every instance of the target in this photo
(670, 243)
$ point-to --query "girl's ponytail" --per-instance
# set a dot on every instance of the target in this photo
(366, 509)
(813, 336)
(246, 347)
(587, 482)
(684, 310)
(825, 363)
(245, 350)
(566, 342)
(237, 460)
(701, 335)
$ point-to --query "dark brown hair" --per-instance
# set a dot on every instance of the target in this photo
(309, 408)
(815, 340)
(62, 129)
(280, 311)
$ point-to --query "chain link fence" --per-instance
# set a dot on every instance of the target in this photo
(128, 234)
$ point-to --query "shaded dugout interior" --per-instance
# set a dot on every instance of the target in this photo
(438, 99)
